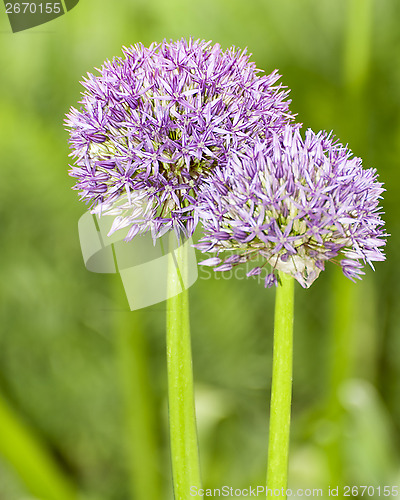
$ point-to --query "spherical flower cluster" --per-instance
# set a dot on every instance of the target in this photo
(155, 123)
(294, 204)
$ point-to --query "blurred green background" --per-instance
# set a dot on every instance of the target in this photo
(83, 410)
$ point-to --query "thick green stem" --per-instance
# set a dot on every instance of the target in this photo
(182, 417)
(281, 392)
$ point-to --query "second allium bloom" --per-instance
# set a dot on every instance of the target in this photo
(294, 204)
(157, 122)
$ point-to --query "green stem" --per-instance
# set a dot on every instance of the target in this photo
(281, 392)
(182, 417)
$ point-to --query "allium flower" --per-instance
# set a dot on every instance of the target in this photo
(155, 123)
(294, 205)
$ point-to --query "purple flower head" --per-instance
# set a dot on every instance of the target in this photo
(155, 123)
(296, 204)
